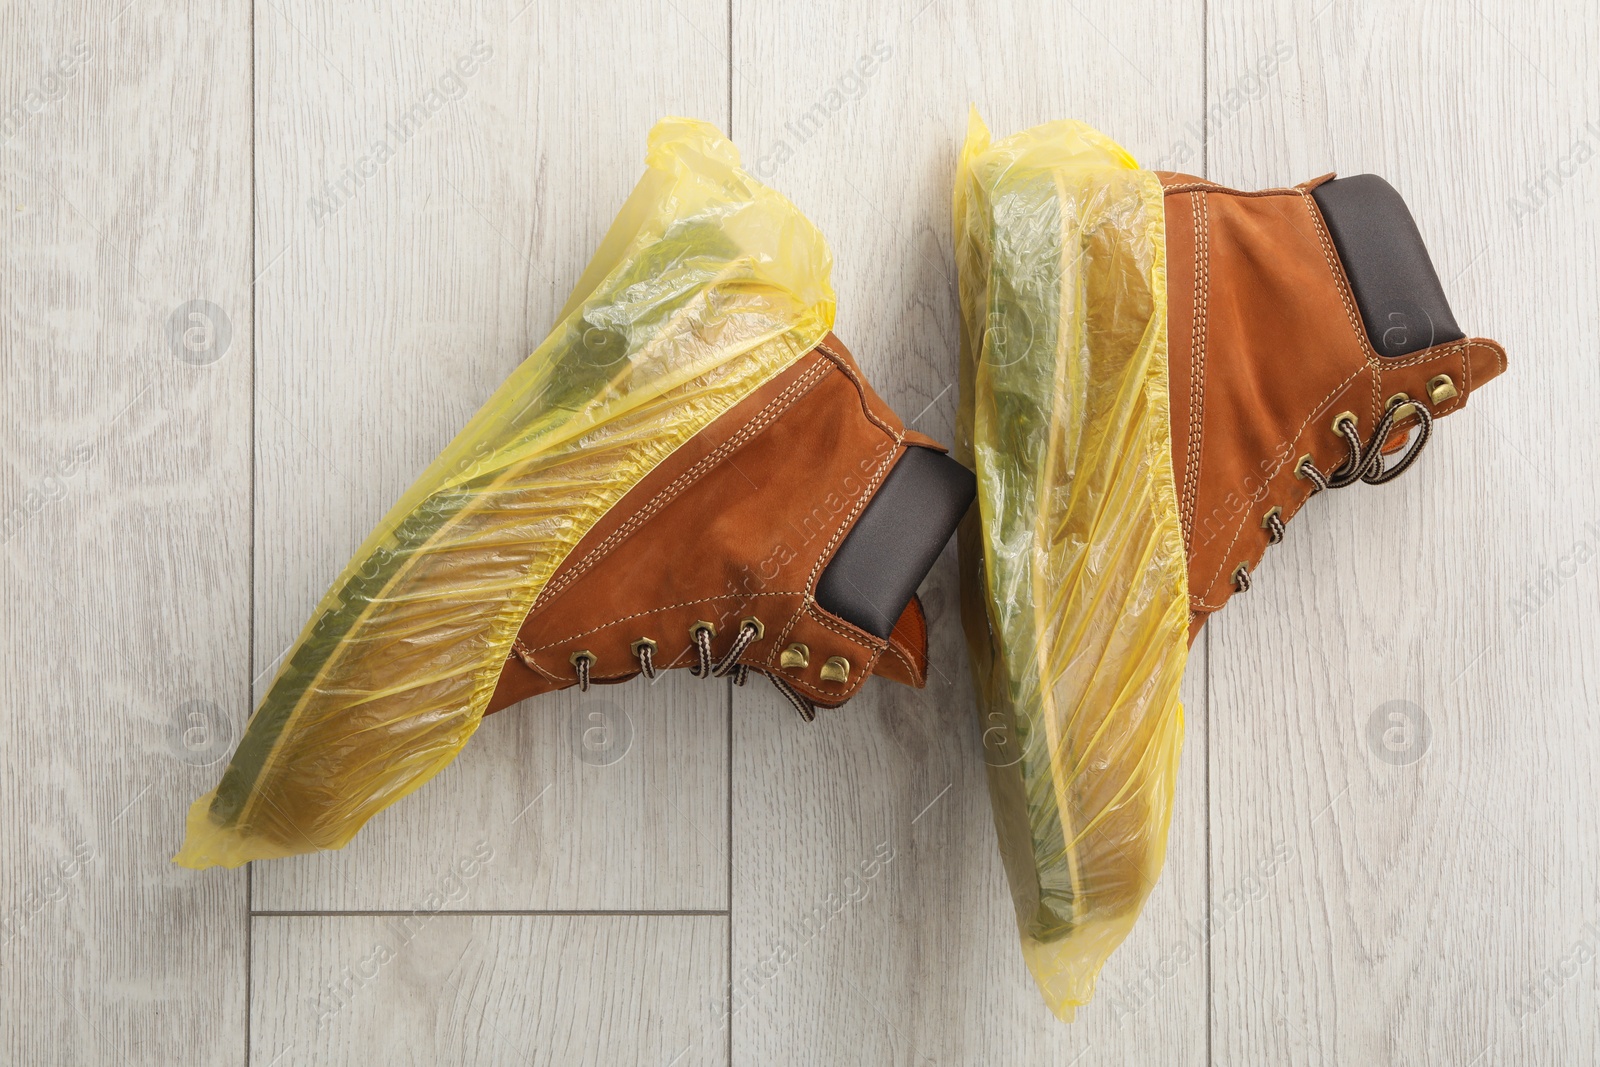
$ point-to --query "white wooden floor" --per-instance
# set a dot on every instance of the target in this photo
(609, 880)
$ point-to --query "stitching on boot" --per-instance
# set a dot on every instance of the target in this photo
(1197, 358)
(814, 611)
(1273, 473)
(903, 658)
(1428, 355)
(1213, 187)
(838, 532)
(522, 654)
(1369, 359)
(1341, 283)
(801, 386)
(657, 611)
(871, 652)
(815, 375)
(898, 438)
(861, 392)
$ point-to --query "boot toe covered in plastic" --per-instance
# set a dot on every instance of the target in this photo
(707, 286)
(1074, 595)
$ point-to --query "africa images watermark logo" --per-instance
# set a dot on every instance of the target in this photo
(50, 488)
(1248, 87)
(447, 88)
(50, 87)
(1539, 190)
(1538, 590)
(1543, 987)
(847, 88)
(398, 930)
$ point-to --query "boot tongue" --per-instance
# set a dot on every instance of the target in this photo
(874, 574)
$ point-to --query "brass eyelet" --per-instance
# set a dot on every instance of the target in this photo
(1355, 423)
(796, 655)
(837, 669)
(1299, 466)
(1441, 387)
(709, 627)
(1266, 520)
(761, 631)
(1403, 406)
(643, 642)
(582, 653)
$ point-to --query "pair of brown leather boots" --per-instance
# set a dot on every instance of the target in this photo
(786, 535)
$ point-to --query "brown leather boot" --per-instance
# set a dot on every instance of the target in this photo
(787, 538)
(688, 471)
(1157, 372)
(1307, 334)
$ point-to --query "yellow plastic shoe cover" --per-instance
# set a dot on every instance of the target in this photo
(1074, 592)
(707, 285)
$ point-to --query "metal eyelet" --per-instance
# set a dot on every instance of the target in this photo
(1343, 416)
(1300, 466)
(1266, 520)
(1441, 387)
(1399, 403)
(582, 654)
(761, 631)
(709, 627)
(643, 642)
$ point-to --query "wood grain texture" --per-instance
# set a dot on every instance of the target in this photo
(124, 525)
(1372, 898)
(1441, 891)
(433, 989)
(920, 963)
(432, 182)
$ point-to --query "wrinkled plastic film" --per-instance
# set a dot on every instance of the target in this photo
(1074, 584)
(706, 286)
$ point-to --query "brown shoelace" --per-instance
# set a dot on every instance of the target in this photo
(1363, 463)
(706, 666)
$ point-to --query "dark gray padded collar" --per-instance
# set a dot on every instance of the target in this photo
(1401, 301)
(894, 543)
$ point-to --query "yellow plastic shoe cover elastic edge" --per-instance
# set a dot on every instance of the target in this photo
(707, 285)
(1074, 589)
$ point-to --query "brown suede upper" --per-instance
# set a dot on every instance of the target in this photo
(737, 523)
(1266, 348)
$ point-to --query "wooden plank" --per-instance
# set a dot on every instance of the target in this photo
(124, 524)
(921, 962)
(430, 988)
(1440, 898)
(432, 183)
